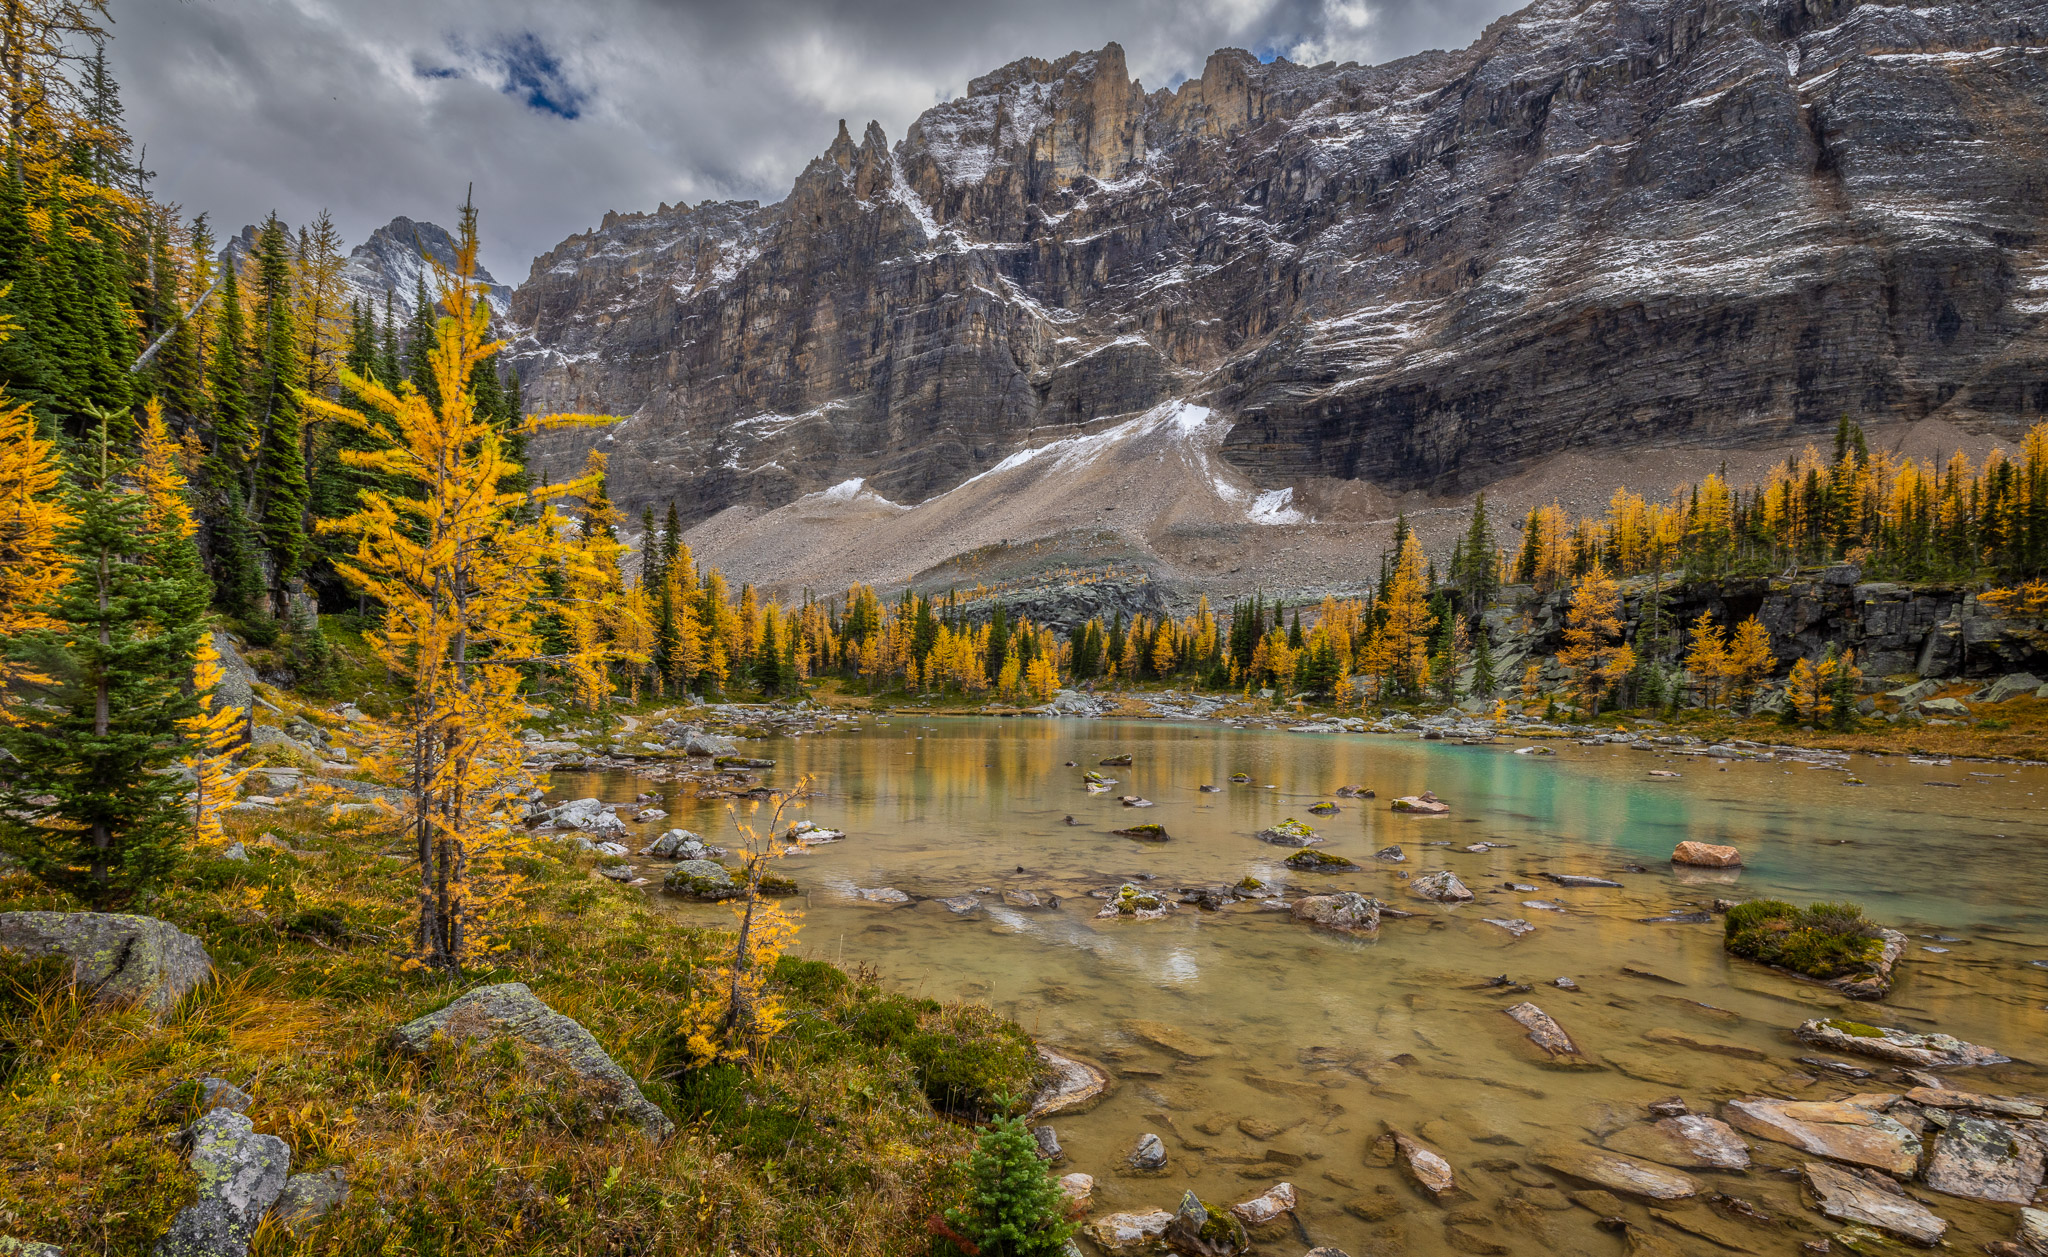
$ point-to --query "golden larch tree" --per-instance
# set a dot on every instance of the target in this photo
(1593, 650)
(457, 560)
(32, 518)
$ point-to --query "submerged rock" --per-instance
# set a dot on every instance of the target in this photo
(881, 894)
(1614, 1173)
(1690, 1141)
(1513, 925)
(1442, 886)
(1892, 1044)
(1545, 1033)
(960, 905)
(511, 1010)
(122, 959)
(1048, 1141)
(1392, 855)
(240, 1174)
(1147, 833)
(1347, 910)
(1848, 1196)
(1861, 1134)
(1579, 881)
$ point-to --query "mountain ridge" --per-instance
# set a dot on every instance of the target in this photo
(1621, 224)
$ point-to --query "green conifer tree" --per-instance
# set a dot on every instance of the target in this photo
(1014, 1207)
(281, 489)
(87, 802)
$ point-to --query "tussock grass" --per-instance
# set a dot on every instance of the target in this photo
(843, 1139)
(1822, 940)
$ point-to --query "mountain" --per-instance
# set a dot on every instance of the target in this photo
(1603, 229)
(393, 259)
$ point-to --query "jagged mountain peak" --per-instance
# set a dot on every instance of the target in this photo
(395, 258)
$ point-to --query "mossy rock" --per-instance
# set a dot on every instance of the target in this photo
(702, 880)
(1151, 833)
(1250, 883)
(777, 885)
(1319, 862)
(1823, 940)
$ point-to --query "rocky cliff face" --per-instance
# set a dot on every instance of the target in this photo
(1612, 223)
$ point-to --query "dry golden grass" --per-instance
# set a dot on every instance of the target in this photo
(829, 1146)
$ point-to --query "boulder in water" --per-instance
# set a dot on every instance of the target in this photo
(1348, 910)
(1424, 804)
(1442, 886)
(1289, 833)
(1706, 855)
(1856, 1130)
(1149, 1154)
(1848, 1196)
(1889, 1043)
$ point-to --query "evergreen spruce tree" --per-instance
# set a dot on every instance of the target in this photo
(1014, 1208)
(1485, 672)
(230, 463)
(87, 804)
(387, 347)
(281, 489)
(25, 368)
(419, 341)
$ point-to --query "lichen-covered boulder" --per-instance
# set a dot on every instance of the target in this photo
(309, 1197)
(240, 1174)
(511, 1010)
(124, 959)
(1347, 910)
(11, 1247)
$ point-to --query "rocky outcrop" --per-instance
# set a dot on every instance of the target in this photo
(240, 1174)
(1902, 1047)
(1604, 225)
(511, 1010)
(123, 959)
(1856, 1130)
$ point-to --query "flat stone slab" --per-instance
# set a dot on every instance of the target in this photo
(1985, 1159)
(1171, 1039)
(1615, 1173)
(1889, 1043)
(1857, 1133)
(1425, 1165)
(125, 960)
(512, 1010)
(1690, 1141)
(240, 1174)
(1847, 1196)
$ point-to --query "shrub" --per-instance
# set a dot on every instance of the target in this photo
(968, 1060)
(1823, 940)
(1014, 1208)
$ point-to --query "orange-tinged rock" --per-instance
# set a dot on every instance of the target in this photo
(1706, 855)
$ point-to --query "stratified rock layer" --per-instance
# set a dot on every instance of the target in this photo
(1599, 225)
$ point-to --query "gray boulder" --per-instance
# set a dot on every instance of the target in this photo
(124, 959)
(309, 1197)
(676, 844)
(11, 1247)
(2012, 685)
(511, 1010)
(1949, 708)
(585, 814)
(711, 744)
(237, 685)
(1913, 693)
(240, 1174)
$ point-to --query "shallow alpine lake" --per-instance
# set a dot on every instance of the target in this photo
(1262, 1050)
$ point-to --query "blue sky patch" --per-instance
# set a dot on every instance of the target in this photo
(535, 75)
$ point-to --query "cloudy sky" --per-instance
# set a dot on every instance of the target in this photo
(561, 110)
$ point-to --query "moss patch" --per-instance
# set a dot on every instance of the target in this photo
(1823, 940)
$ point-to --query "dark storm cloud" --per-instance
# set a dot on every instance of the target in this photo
(557, 112)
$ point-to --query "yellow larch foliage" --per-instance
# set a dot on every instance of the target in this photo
(1749, 659)
(2020, 602)
(1808, 687)
(457, 561)
(1399, 653)
(214, 733)
(1593, 650)
(166, 510)
(1707, 660)
(32, 566)
(732, 1012)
